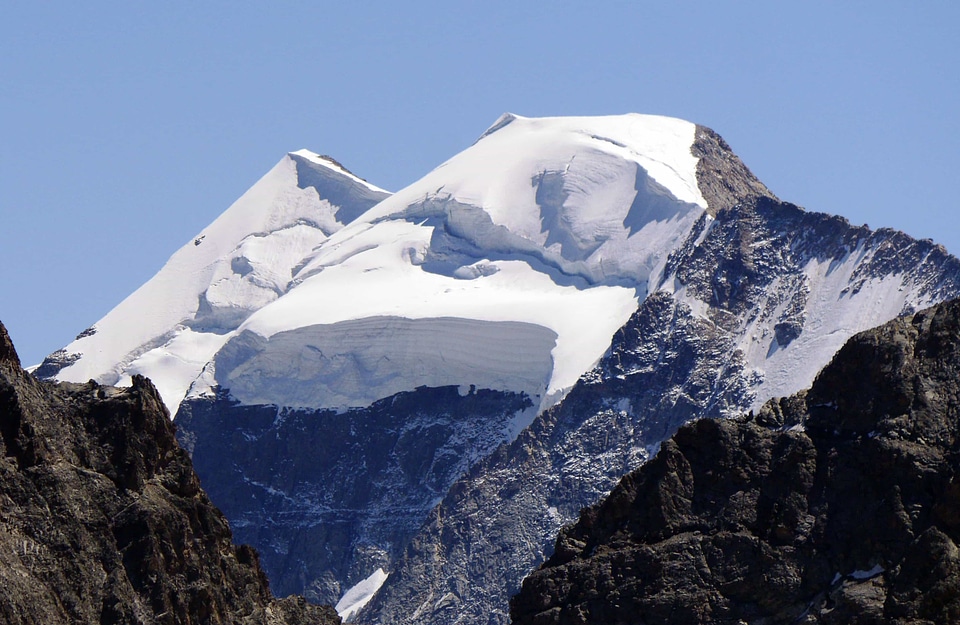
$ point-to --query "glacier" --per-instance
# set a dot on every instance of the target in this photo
(170, 327)
(570, 227)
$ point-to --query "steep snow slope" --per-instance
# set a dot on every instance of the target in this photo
(173, 325)
(792, 286)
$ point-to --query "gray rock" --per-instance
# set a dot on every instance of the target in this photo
(328, 497)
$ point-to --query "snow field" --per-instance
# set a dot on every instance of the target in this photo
(361, 594)
(376, 278)
(539, 238)
(833, 313)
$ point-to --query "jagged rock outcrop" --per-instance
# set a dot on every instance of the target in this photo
(722, 177)
(102, 519)
(837, 505)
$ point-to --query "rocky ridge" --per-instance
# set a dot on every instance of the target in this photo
(836, 505)
(102, 519)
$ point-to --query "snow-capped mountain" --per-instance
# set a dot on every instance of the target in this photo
(418, 389)
(171, 327)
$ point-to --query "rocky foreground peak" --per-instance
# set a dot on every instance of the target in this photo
(836, 505)
(8, 354)
(102, 519)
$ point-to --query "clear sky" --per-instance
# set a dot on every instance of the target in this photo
(125, 128)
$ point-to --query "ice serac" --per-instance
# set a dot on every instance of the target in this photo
(544, 222)
(173, 325)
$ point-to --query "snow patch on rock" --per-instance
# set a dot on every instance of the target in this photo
(358, 596)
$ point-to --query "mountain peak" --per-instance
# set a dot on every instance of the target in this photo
(8, 353)
(328, 161)
(722, 177)
(455, 313)
(502, 121)
(170, 327)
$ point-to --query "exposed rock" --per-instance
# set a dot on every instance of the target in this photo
(496, 522)
(838, 505)
(723, 179)
(8, 354)
(681, 356)
(56, 361)
(330, 496)
(102, 519)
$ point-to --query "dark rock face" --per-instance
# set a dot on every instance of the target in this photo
(53, 363)
(102, 519)
(837, 505)
(8, 354)
(328, 497)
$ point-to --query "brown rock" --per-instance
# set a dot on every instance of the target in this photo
(102, 519)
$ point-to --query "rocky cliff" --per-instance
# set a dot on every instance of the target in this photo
(840, 504)
(102, 519)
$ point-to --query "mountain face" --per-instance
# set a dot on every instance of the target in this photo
(678, 358)
(836, 505)
(172, 326)
(409, 395)
(329, 496)
(104, 520)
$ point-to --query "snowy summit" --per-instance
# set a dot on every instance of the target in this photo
(508, 267)
(316, 276)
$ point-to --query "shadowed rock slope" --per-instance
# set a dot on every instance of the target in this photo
(838, 505)
(102, 519)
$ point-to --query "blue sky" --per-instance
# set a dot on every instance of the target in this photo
(125, 128)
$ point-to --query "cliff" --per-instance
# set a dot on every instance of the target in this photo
(102, 518)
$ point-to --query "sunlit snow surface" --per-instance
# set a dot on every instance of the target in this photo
(508, 267)
(833, 313)
(538, 239)
(597, 197)
(381, 281)
(173, 325)
(831, 320)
